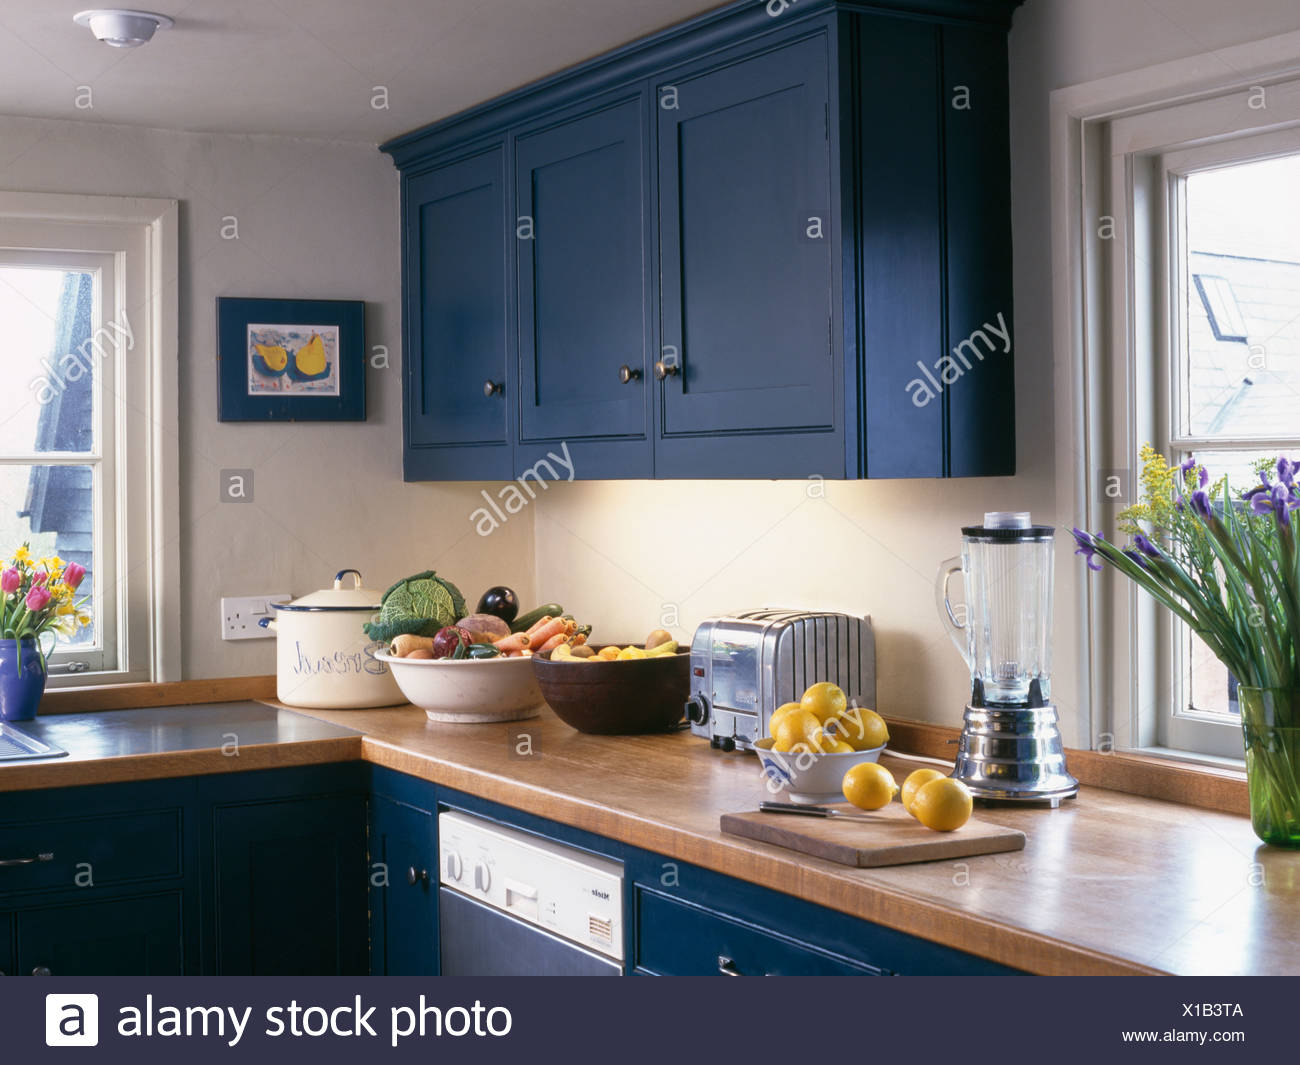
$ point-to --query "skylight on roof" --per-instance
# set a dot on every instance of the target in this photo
(1220, 302)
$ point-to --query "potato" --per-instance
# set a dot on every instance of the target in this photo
(582, 651)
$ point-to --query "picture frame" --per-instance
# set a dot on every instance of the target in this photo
(290, 360)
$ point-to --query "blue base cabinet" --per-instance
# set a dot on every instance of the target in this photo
(745, 247)
(403, 877)
(249, 873)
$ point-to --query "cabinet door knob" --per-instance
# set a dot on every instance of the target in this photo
(663, 369)
(417, 876)
(627, 375)
(492, 388)
(42, 970)
(726, 966)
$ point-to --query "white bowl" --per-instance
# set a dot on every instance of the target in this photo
(468, 690)
(808, 779)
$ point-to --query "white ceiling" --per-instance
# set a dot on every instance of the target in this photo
(306, 67)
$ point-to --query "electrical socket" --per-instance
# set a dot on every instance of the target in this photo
(240, 616)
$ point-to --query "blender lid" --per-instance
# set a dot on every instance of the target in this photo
(1008, 526)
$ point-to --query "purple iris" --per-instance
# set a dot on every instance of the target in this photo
(1136, 557)
(1146, 546)
(1286, 471)
(1188, 465)
(1279, 502)
(1087, 547)
(1201, 503)
(1204, 477)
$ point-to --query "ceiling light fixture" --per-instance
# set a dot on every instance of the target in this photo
(122, 29)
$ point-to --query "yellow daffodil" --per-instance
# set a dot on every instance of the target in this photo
(22, 556)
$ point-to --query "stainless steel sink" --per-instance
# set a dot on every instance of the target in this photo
(18, 746)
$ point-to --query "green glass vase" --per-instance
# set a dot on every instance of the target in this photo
(1270, 725)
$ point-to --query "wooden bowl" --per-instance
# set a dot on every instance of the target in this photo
(617, 698)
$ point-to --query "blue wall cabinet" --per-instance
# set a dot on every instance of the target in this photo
(139, 935)
(584, 292)
(748, 363)
(403, 874)
(458, 387)
(822, 202)
(290, 887)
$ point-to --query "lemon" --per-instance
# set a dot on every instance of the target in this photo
(917, 779)
(795, 727)
(824, 699)
(832, 745)
(943, 805)
(861, 729)
(869, 786)
(779, 713)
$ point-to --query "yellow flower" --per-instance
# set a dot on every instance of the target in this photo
(52, 565)
(22, 555)
(63, 610)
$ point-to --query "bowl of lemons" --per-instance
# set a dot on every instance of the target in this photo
(814, 742)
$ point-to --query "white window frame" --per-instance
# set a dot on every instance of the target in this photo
(1119, 147)
(134, 242)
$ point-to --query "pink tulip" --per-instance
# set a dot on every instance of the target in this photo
(37, 598)
(39, 577)
(73, 574)
(10, 580)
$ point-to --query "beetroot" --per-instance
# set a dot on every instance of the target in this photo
(451, 642)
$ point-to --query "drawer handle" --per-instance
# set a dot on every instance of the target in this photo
(492, 388)
(664, 369)
(44, 856)
(417, 876)
(627, 375)
(42, 970)
(726, 966)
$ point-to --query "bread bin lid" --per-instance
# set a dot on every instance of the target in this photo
(337, 598)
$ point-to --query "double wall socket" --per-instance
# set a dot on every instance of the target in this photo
(240, 617)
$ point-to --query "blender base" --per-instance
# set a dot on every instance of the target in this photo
(1013, 754)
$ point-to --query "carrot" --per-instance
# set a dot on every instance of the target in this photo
(546, 620)
(537, 637)
(579, 639)
(516, 641)
(553, 642)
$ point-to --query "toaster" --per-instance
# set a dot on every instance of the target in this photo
(746, 665)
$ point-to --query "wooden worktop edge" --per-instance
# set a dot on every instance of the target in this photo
(54, 773)
(769, 867)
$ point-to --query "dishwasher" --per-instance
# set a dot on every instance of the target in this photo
(514, 904)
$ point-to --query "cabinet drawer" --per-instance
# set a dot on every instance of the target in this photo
(676, 938)
(139, 936)
(90, 852)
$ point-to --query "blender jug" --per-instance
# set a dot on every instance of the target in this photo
(1002, 628)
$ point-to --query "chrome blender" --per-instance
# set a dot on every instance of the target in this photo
(1010, 746)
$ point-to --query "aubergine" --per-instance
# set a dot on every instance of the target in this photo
(500, 602)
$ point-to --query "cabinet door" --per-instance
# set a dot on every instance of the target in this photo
(746, 235)
(6, 944)
(403, 889)
(583, 303)
(457, 391)
(290, 887)
(138, 936)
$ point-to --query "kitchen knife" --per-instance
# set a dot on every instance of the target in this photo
(812, 811)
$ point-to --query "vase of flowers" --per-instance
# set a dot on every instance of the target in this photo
(1226, 563)
(37, 596)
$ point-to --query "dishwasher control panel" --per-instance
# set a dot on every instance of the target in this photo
(569, 892)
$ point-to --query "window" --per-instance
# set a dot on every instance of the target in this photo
(87, 419)
(1179, 237)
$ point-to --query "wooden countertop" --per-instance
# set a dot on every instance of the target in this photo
(1109, 883)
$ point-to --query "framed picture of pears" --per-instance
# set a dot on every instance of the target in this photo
(291, 360)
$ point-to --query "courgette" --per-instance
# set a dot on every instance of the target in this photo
(526, 621)
(482, 650)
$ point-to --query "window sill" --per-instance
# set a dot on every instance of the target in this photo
(1218, 784)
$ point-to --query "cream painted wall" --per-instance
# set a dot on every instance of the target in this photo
(616, 553)
(315, 219)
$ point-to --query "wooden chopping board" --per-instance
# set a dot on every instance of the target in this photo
(890, 836)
